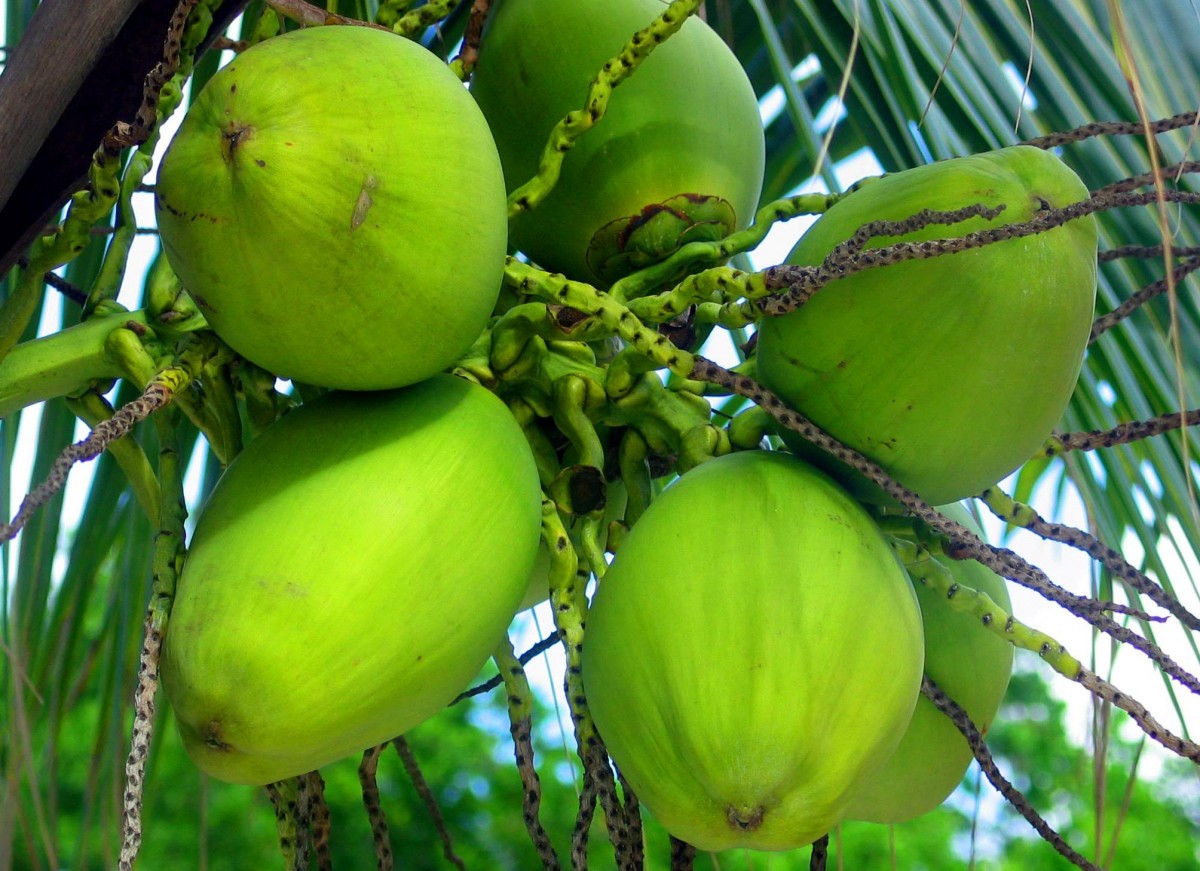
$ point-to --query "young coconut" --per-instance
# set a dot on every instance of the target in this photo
(334, 204)
(678, 157)
(746, 683)
(971, 665)
(328, 602)
(948, 372)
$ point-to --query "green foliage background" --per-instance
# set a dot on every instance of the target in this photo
(922, 80)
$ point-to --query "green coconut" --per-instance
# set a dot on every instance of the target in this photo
(350, 574)
(678, 157)
(334, 203)
(969, 663)
(948, 372)
(753, 653)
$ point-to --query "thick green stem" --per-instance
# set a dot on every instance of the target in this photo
(65, 363)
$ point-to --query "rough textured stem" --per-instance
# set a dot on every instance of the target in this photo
(720, 284)
(1026, 517)
(579, 121)
(1106, 322)
(683, 855)
(926, 570)
(520, 716)
(1134, 430)
(112, 272)
(370, 797)
(960, 719)
(1114, 128)
(428, 799)
(491, 683)
(413, 22)
(464, 64)
(820, 853)
(320, 820)
(92, 408)
(797, 284)
(290, 823)
(168, 557)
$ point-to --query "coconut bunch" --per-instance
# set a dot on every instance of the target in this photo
(476, 291)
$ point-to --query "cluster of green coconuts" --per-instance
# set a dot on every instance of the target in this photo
(335, 202)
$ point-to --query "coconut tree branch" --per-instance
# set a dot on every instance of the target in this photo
(493, 682)
(983, 756)
(291, 822)
(319, 818)
(168, 551)
(577, 122)
(683, 855)
(1026, 517)
(1146, 252)
(1147, 179)
(1107, 321)
(465, 62)
(1134, 430)
(520, 715)
(1114, 128)
(428, 799)
(820, 854)
(795, 285)
(370, 796)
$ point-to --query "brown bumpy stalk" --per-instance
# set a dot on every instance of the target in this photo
(319, 820)
(520, 715)
(1114, 128)
(1148, 179)
(820, 854)
(1107, 321)
(467, 57)
(683, 855)
(168, 555)
(1026, 517)
(370, 797)
(1146, 252)
(428, 799)
(124, 134)
(637, 858)
(795, 285)
(1133, 431)
(987, 764)
(287, 796)
(583, 822)
(965, 543)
